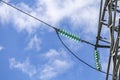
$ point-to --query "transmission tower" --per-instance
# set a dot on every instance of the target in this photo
(109, 18)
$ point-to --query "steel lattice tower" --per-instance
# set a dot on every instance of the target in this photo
(109, 18)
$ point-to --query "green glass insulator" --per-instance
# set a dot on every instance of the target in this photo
(98, 65)
(97, 57)
(69, 35)
(98, 68)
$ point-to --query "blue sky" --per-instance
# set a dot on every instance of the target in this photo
(30, 50)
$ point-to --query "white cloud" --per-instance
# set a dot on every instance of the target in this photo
(34, 43)
(1, 48)
(52, 53)
(52, 11)
(20, 20)
(58, 62)
(53, 67)
(25, 67)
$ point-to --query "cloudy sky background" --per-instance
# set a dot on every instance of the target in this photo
(30, 50)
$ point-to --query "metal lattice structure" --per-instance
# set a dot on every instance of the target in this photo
(109, 18)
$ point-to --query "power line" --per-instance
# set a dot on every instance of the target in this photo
(84, 41)
(57, 35)
(28, 14)
(78, 57)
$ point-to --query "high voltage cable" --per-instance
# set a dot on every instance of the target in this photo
(58, 36)
(78, 57)
(41, 20)
(28, 14)
(78, 39)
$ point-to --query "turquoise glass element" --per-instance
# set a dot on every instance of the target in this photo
(69, 35)
(97, 59)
